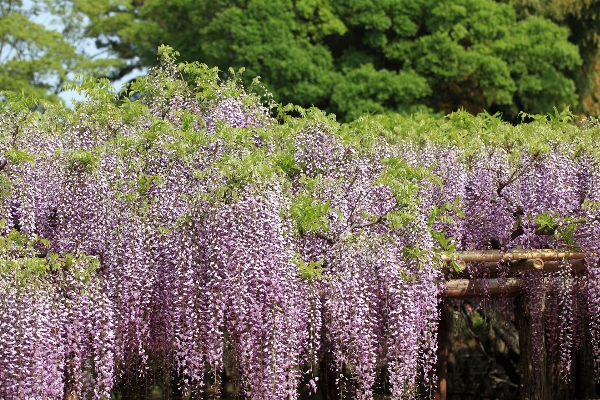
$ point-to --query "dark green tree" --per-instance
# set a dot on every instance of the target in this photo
(581, 17)
(352, 57)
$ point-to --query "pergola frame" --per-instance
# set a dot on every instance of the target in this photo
(533, 381)
(518, 260)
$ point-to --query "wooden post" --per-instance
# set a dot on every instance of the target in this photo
(443, 354)
(539, 378)
(533, 384)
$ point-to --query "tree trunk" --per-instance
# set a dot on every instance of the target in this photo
(327, 378)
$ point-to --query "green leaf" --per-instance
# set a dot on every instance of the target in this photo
(309, 214)
(545, 223)
(310, 270)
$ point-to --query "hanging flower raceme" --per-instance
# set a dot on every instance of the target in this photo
(58, 330)
(251, 251)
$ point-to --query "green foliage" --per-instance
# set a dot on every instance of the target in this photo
(255, 158)
(16, 156)
(21, 258)
(378, 91)
(309, 214)
(581, 18)
(32, 56)
(404, 180)
(562, 227)
(545, 223)
(350, 58)
(442, 215)
(82, 160)
(537, 54)
(310, 270)
(471, 133)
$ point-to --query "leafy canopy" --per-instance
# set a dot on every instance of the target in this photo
(185, 233)
(350, 58)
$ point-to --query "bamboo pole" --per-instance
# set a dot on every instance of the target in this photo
(535, 264)
(507, 286)
(464, 288)
(577, 265)
(513, 255)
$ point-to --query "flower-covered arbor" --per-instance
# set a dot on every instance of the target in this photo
(200, 231)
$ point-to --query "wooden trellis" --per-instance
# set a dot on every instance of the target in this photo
(515, 260)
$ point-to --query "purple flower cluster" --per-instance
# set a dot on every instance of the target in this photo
(57, 336)
(379, 304)
(263, 303)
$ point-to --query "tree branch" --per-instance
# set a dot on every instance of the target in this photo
(378, 220)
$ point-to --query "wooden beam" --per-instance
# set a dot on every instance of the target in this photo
(464, 288)
(515, 254)
(536, 264)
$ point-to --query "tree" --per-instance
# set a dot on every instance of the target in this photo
(36, 59)
(581, 17)
(349, 58)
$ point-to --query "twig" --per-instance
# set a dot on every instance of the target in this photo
(328, 239)
(378, 220)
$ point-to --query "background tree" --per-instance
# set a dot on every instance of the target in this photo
(348, 58)
(39, 58)
(581, 17)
